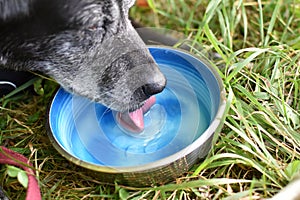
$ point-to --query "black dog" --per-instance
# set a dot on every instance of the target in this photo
(88, 46)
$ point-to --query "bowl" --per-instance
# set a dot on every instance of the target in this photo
(179, 128)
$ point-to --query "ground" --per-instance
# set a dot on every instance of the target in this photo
(257, 152)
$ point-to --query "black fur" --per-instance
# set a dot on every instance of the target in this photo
(87, 46)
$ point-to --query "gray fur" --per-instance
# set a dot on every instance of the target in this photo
(13, 8)
(89, 47)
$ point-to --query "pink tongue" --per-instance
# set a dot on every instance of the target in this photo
(134, 121)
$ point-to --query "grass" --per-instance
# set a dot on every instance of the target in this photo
(258, 150)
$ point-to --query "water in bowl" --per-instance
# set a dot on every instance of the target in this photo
(182, 112)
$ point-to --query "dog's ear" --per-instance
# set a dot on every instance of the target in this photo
(10, 9)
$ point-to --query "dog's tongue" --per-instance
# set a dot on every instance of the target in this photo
(134, 121)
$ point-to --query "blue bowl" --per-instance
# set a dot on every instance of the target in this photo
(179, 128)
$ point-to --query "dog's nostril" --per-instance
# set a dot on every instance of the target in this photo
(151, 89)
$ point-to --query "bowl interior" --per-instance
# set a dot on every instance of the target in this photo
(88, 131)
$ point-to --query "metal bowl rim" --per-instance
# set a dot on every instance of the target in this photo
(216, 122)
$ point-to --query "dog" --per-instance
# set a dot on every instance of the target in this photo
(89, 47)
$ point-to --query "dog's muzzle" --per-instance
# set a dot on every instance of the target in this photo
(153, 88)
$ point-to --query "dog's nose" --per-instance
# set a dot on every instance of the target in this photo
(153, 88)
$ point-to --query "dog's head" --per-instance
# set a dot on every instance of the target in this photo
(91, 49)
